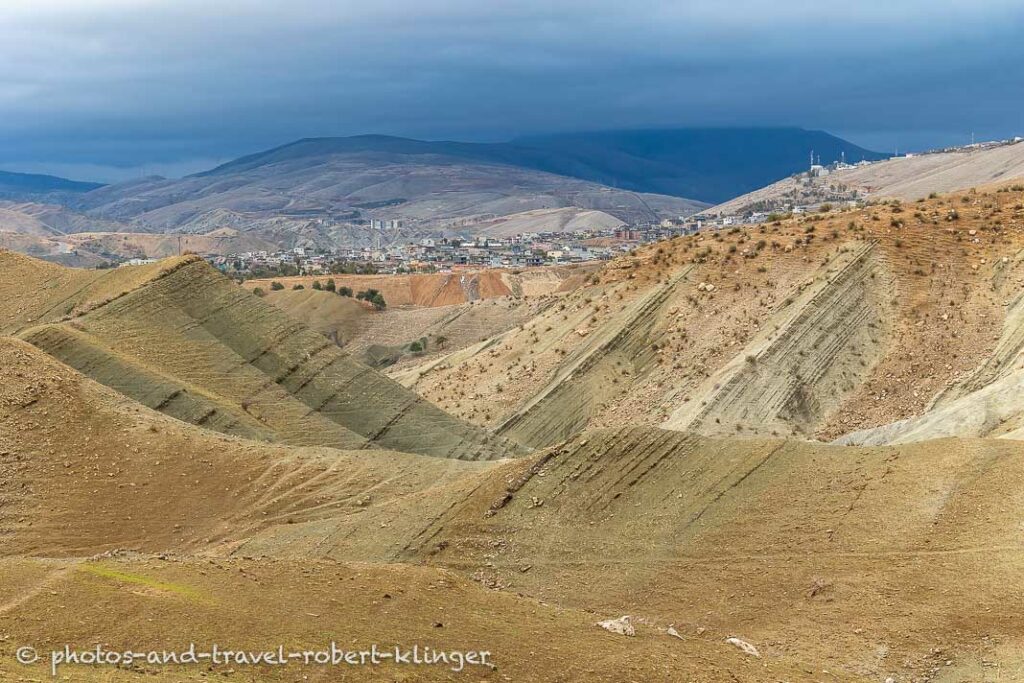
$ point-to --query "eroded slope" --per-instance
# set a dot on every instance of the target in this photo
(861, 561)
(236, 361)
(816, 325)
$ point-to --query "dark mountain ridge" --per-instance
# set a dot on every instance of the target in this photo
(33, 186)
(706, 164)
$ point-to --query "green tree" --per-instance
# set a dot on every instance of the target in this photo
(374, 297)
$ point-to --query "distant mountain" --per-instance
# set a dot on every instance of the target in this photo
(325, 191)
(706, 164)
(25, 186)
(709, 164)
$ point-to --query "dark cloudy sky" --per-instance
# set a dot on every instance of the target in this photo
(109, 89)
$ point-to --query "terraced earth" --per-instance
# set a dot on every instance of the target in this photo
(817, 327)
(182, 339)
(183, 461)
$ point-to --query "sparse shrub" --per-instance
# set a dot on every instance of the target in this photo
(372, 296)
(295, 288)
(259, 291)
(317, 286)
(276, 286)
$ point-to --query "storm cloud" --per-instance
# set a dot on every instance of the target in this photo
(103, 89)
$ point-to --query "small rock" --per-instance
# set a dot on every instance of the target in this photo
(622, 626)
(744, 645)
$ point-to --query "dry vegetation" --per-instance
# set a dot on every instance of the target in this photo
(181, 460)
(867, 563)
(933, 282)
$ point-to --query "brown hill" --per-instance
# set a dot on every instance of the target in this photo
(387, 337)
(58, 234)
(863, 562)
(323, 192)
(448, 288)
(813, 326)
(179, 337)
(908, 178)
(235, 476)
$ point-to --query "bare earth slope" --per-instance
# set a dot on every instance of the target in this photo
(815, 326)
(864, 562)
(906, 178)
(302, 197)
(448, 288)
(234, 477)
(64, 236)
(181, 338)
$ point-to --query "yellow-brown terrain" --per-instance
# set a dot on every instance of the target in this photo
(446, 289)
(182, 461)
(814, 326)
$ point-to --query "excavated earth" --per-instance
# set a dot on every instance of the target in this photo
(446, 289)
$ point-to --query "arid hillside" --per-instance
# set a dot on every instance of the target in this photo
(547, 220)
(814, 327)
(180, 338)
(60, 235)
(629, 484)
(907, 178)
(111, 509)
(406, 334)
(446, 289)
(427, 315)
(322, 192)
